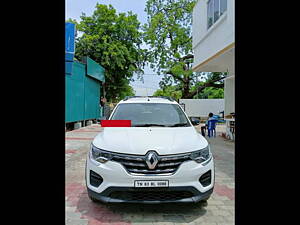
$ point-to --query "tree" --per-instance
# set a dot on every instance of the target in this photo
(168, 33)
(112, 40)
(127, 90)
(169, 91)
(209, 93)
(212, 87)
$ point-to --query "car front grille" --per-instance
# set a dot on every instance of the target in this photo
(136, 164)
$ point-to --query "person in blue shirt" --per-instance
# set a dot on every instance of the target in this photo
(203, 128)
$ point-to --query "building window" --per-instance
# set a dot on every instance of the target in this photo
(215, 8)
(223, 6)
(209, 13)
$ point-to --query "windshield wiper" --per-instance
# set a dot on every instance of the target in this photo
(149, 125)
(179, 125)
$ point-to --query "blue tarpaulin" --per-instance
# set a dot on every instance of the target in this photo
(70, 41)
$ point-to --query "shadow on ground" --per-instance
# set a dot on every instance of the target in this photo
(127, 213)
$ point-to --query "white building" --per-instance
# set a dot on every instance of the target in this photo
(202, 107)
(213, 43)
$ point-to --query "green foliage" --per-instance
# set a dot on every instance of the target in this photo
(170, 91)
(112, 40)
(126, 90)
(168, 32)
(70, 20)
(169, 36)
(210, 92)
(176, 93)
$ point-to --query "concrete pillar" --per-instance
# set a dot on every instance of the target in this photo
(229, 95)
(77, 125)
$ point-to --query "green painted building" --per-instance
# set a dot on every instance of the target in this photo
(83, 90)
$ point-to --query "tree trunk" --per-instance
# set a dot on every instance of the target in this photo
(186, 88)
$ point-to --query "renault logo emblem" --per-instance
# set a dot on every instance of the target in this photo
(151, 160)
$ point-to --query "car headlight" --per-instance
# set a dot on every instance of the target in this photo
(201, 155)
(100, 155)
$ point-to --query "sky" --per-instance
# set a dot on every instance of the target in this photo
(74, 9)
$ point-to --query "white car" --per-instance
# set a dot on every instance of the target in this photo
(160, 158)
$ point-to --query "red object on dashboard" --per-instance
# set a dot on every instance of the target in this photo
(115, 123)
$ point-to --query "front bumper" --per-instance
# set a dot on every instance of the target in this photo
(117, 179)
(127, 194)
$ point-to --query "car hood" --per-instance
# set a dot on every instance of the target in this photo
(139, 140)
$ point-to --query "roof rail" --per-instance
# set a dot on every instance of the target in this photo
(128, 97)
(165, 97)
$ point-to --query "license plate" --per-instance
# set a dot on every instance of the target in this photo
(151, 183)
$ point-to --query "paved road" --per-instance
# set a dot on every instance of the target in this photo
(219, 209)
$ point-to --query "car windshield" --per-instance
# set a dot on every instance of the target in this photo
(151, 114)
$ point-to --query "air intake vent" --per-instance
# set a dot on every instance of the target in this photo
(205, 179)
(151, 195)
(95, 179)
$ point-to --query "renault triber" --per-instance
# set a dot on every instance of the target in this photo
(160, 158)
